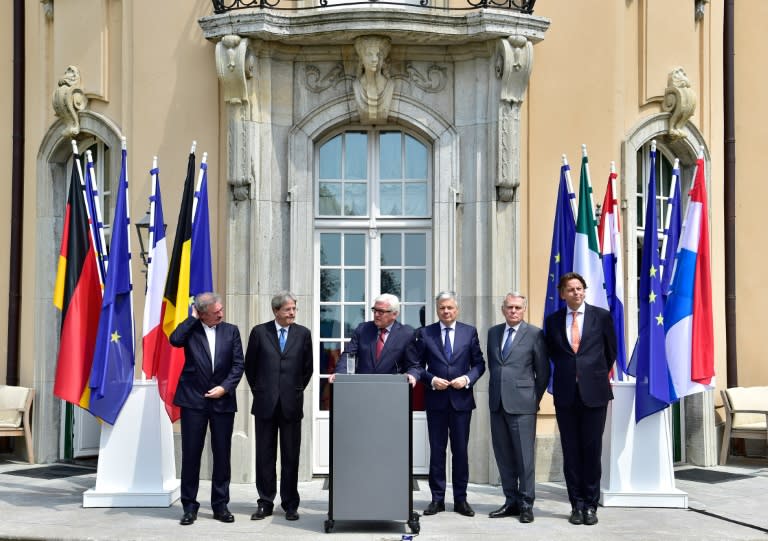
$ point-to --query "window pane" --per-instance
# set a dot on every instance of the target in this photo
(413, 315)
(390, 156)
(416, 199)
(415, 159)
(391, 281)
(356, 156)
(324, 395)
(355, 199)
(330, 249)
(391, 199)
(330, 282)
(329, 356)
(330, 159)
(415, 249)
(354, 285)
(330, 199)
(390, 249)
(415, 285)
(330, 322)
(354, 250)
(353, 316)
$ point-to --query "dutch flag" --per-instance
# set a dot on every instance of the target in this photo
(689, 338)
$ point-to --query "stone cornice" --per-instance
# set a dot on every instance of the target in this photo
(404, 25)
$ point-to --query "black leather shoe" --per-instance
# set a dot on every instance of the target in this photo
(506, 510)
(526, 515)
(590, 516)
(292, 515)
(463, 508)
(434, 508)
(261, 513)
(576, 517)
(188, 518)
(224, 516)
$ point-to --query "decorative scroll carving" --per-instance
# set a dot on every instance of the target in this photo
(316, 82)
(514, 62)
(434, 81)
(235, 64)
(47, 9)
(679, 101)
(242, 169)
(68, 100)
(373, 86)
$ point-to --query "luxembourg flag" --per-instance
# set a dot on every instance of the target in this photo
(689, 337)
(609, 231)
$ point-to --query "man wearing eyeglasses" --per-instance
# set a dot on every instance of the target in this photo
(379, 345)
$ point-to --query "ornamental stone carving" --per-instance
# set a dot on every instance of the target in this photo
(68, 100)
(373, 86)
(514, 62)
(234, 64)
(679, 101)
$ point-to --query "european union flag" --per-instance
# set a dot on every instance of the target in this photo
(653, 391)
(671, 232)
(114, 357)
(561, 254)
(200, 273)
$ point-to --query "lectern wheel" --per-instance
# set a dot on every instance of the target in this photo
(329, 526)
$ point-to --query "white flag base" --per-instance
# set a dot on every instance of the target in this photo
(637, 457)
(136, 458)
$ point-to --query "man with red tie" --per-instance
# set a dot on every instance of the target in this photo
(581, 342)
(378, 345)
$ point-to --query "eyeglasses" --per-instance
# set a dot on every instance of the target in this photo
(380, 311)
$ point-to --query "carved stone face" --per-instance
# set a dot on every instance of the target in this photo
(372, 58)
(372, 52)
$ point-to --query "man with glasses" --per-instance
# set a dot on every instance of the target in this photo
(379, 345)
(519, 372)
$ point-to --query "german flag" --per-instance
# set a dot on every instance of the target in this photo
(78, 295)
(170, 360)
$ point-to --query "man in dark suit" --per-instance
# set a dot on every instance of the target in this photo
(379, 345)
(278, 366)
(581, 343)
(447, 358)
(519, 370)
(213, 366)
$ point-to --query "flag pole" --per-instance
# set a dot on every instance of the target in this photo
(203, 166)
(124, 148)
(571, 193)
(102, 276)
(99, 221)
(668, 217)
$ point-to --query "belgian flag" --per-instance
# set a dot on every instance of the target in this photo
(78, 295)
(170, 360)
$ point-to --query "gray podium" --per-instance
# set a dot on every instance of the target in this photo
(370, 450)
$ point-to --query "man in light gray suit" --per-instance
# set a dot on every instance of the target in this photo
(519, 370)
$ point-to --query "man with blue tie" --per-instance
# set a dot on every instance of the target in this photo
(447, 358)
(278, 366)
(379, 346)
(518, 367)
(213, 366)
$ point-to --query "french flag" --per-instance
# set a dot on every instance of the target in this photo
(689, 338)
(609, 231)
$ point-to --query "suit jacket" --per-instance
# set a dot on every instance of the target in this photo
(518, 381)
(427, 360)
(199, 374)
(588, 369)
(278, 375)
(363, 344)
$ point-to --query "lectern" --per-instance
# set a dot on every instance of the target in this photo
(370, 450)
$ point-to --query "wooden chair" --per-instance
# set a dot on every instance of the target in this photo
(15, 410)
(746, 413)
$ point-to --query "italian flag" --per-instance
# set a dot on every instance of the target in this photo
(586, 249)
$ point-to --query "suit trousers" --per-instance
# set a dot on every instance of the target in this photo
(581, 436)
(194, 424)
(442, 424)
(267, 431)
(514, 445)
